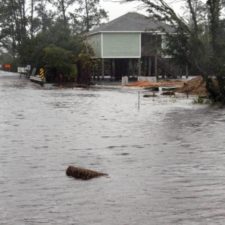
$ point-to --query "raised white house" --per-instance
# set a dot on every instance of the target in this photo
(129, 46)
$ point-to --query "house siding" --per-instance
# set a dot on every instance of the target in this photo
(121, 45)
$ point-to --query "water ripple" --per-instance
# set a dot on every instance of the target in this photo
(166, 161)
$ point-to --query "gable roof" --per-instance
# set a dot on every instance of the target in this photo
(132, 22)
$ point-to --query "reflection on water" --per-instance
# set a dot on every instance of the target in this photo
(166, 162)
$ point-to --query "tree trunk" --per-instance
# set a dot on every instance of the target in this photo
(87, 16)
(32, 18)
(64, 12)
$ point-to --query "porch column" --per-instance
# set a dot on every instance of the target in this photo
(149, 66)
(139, 67)
(113, 69)
(129, 68)
(156, 67)
(103, 69)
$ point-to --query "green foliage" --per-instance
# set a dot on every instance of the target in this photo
(198, 100)
(73, 72)
(58, 58)
(43, 32)
(89, 14)
(85, 66)
(6, 58)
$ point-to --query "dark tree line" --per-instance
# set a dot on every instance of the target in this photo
(34, 31)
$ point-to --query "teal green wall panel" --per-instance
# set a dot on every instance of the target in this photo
(121, 45)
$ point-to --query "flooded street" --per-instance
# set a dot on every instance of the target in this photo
(166, 161)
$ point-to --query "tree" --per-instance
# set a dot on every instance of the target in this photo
(45, 18)
(89, 14)
(13, 24)
(58, 58)
(198, 39)
(32, 34)
(62, 6)
(57, 35)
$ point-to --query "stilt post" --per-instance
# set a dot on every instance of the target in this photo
(113, 69)
(103, 69)
(156, 67)
(139, 67)
(149, 66)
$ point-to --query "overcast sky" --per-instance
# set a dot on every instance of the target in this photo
(116, 9)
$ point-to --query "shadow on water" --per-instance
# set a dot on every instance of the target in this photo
(166, 161)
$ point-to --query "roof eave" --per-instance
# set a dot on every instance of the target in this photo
(153, 32)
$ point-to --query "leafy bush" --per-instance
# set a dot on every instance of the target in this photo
(60, 61)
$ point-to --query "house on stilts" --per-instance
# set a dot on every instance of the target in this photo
(130, 46)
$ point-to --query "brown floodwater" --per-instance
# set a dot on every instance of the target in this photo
(166, 161)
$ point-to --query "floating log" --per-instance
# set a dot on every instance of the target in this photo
(82, 173)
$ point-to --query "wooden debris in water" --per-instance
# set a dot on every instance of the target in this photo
(149, 84)
(82, 173)
(169, 93)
